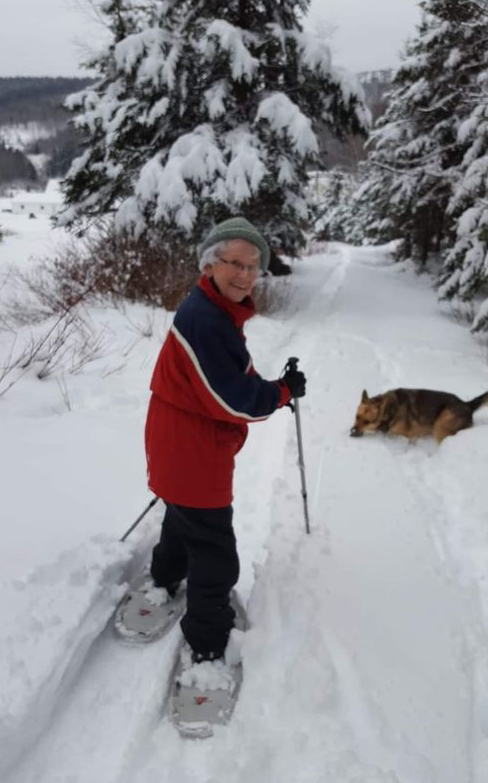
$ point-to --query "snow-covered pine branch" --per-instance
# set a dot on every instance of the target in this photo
(203, 110)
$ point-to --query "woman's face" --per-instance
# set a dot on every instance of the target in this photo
(236, 271)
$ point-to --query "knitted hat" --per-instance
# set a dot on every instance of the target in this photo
(238, 228)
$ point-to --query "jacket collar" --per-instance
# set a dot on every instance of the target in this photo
(239, 312)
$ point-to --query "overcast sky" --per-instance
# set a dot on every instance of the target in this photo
(52, 37)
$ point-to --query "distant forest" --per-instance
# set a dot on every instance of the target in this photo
(38, 100)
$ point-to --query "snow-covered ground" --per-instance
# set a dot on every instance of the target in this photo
(366, 660)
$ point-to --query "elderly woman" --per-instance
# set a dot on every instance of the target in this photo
(205, 392)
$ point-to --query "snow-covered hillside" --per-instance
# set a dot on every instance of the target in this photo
(20, 135)
(366, 657)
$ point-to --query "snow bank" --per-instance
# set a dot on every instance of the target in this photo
(49, 621)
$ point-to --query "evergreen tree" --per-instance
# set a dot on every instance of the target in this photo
(203, 110)
(338, 218)
(416, 150)
(465, 271)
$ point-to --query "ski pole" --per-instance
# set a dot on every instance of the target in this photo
(141, 516)
(292, 365)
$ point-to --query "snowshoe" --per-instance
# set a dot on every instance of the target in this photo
(205, 694)
(147, 612)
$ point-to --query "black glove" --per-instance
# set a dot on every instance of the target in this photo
(296, 382)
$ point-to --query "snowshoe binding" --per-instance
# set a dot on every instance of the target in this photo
(147, 612)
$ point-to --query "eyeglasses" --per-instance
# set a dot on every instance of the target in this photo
(238, 266)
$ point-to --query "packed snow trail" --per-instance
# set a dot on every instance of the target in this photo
(366, 636)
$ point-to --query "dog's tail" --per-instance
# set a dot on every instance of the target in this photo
(478, 402)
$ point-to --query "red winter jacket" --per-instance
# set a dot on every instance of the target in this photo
(204, 392)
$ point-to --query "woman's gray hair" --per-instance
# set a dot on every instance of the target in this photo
(211, 254)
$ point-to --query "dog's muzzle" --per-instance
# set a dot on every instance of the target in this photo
(355, 433)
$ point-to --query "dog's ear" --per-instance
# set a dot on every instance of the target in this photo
(364, 396)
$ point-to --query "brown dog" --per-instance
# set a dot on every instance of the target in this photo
(415, 412)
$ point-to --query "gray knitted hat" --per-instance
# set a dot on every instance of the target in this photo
(238, 228)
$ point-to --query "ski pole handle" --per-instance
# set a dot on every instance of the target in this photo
(292, 364)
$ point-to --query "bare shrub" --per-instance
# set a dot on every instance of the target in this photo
(272, 295)
(36, 296)
(67, 344)
(53, 348)
(87, 346)
(119, 267)
(64, 391)
(101, 267)
(145, 327)
(113, 370)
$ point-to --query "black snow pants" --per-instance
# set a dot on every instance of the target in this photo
(200, 544)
